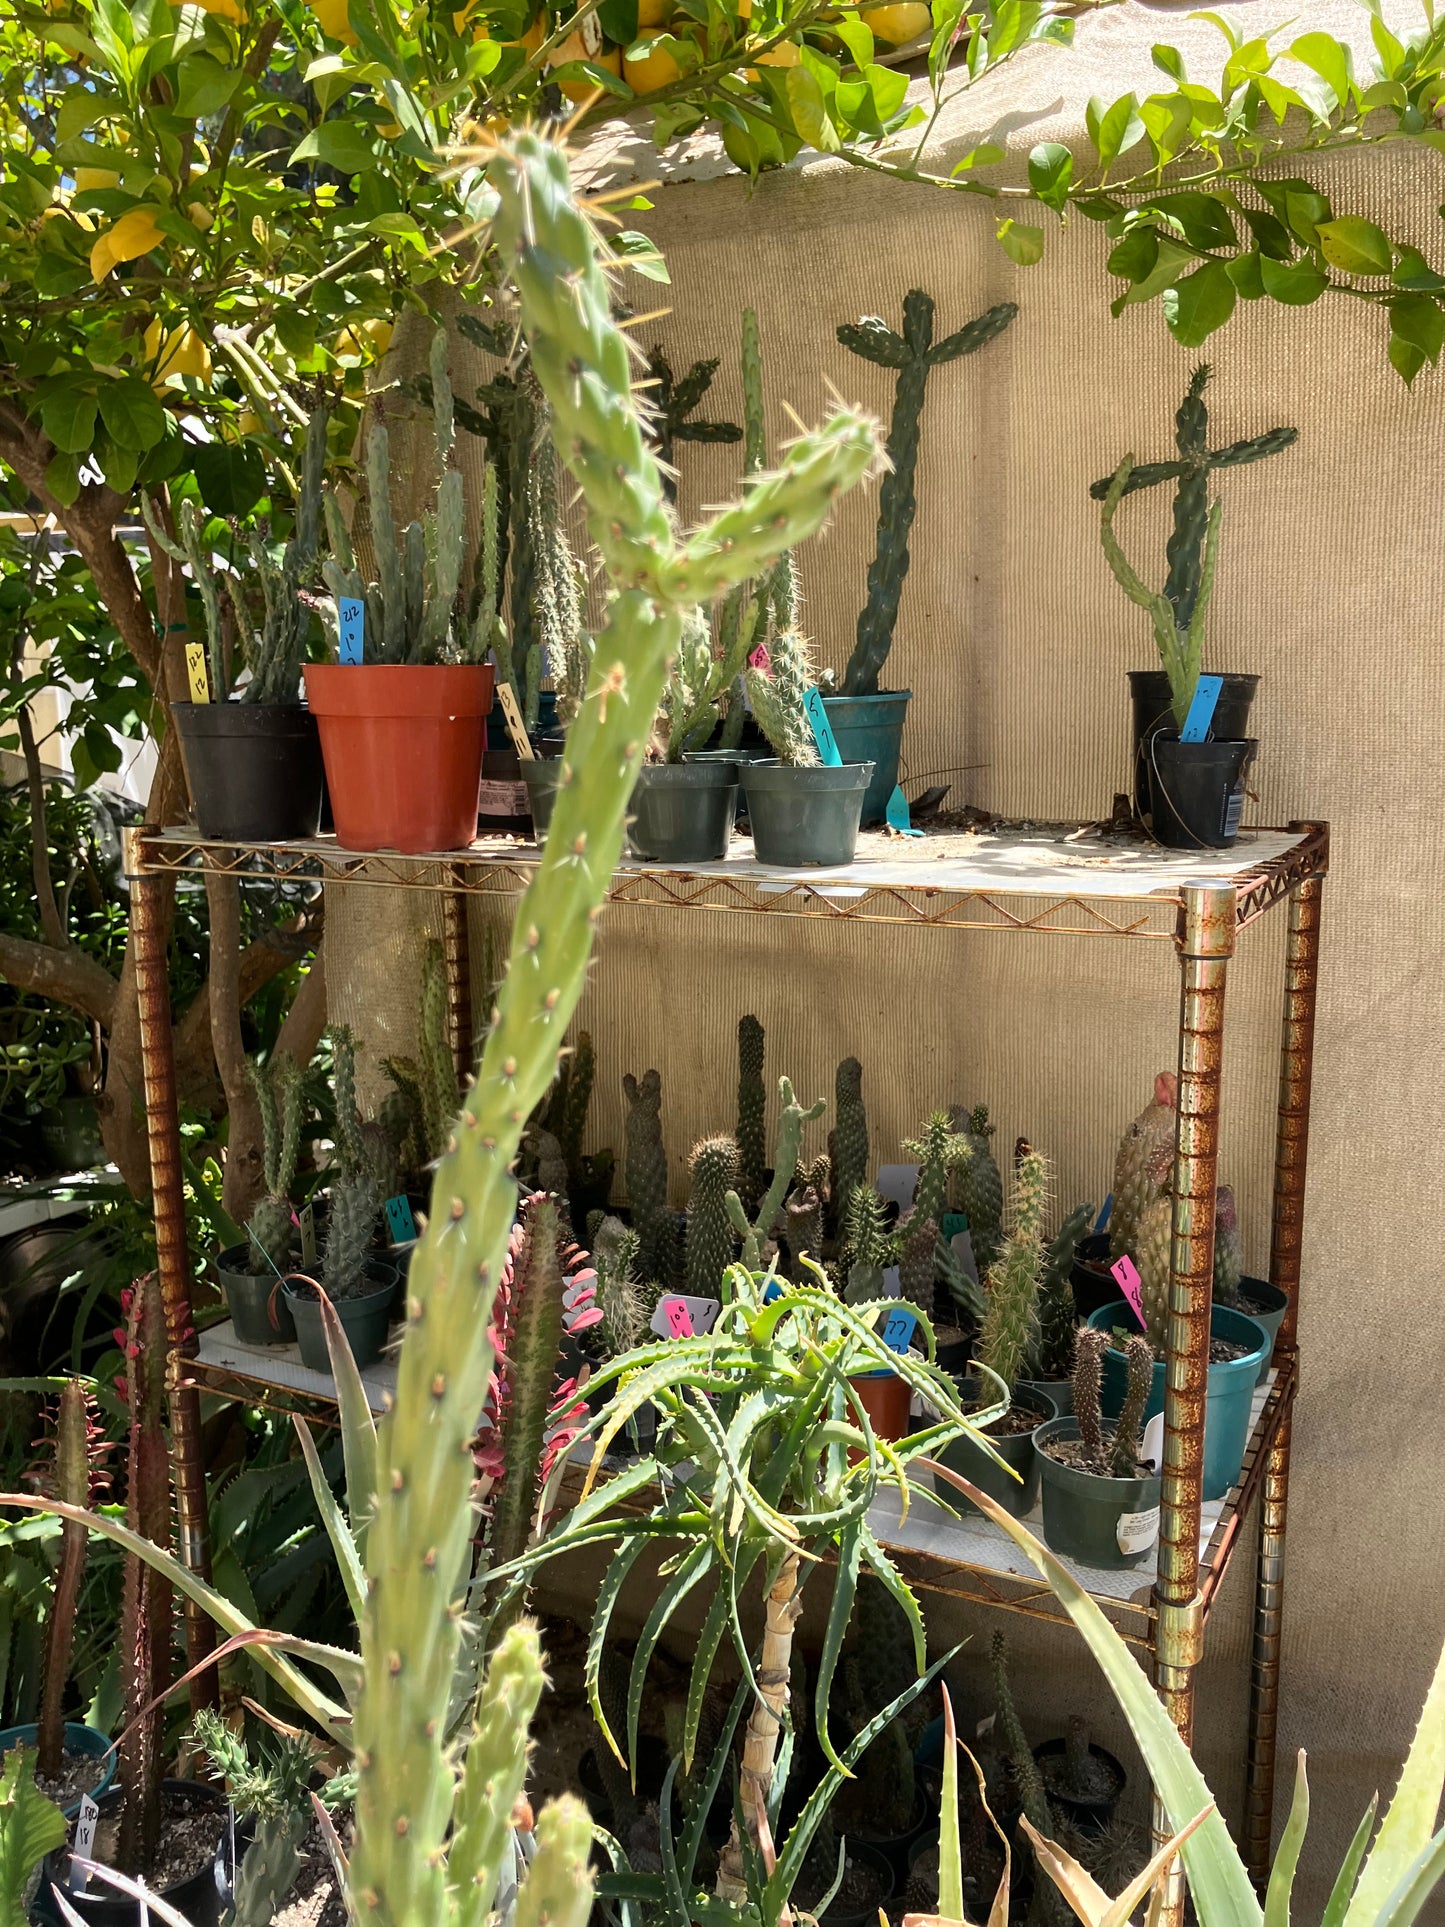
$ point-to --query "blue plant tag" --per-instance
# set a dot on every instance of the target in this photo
(351, 619)
(1101, 1223)
(1201, 710)
(822, 728)
(898, 1329)
(772, 1291)
(895, 813)
(399, 1220)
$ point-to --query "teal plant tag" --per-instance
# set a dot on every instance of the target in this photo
(351, 620)
(1201, 710)
(895, 814)
(822, 729)
(399, 1221)
(953, 1223)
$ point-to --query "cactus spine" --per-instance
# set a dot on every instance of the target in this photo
(791, 1119)
(279, 1101)
(72, 1482)
(1143, 1164)
(145, 1604)
(645, 1173)
(1010, 1325)
(714, 1169)
(980, 1187)
(1178, 613)
(1057, 1316)
(937, 1151)
(1089, 1347)
(868, 1245)
(352, 1222)
(752, 1105)
(915, 354)
(1139, 1368)
(409, 1804)
(1228, 1248)
(848, 1141)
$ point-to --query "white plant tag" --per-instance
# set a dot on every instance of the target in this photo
(898, 1182)
(1151, 1446)
(962, 1245)
(84, 1842)
(892, 1283)
(985, 1726)
(1136, 1531)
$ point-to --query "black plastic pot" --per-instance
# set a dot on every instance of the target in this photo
(1266, 1304)
(1108, 1523)
(682, 812)
(1091, 1281)
(198, 1899)
(253, 769)
(1016, 1449)
(260, 1312)
(542, 777)
(801, 817)
(954, 1356)
(1153, 706)
(1090, 1812)
(364, 1318)
(838, 1914)
(898, 1848)
(1199, 791)
(1058, 1391)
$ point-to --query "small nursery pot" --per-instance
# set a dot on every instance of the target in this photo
(1108, 1523)
(898, 1849)
(86, 1740)
(1058, 1391)
(1016, 1449)
(198, 1898)
(1090, 1279)
(1199, 791)
(1152, 702)
(887, 1399)
(253, 769)
(364, 1317)
(1091, 1812)
(543, 777)
(260, 1314)
(869, 729)
(682, 812)
(805, 816)
(1266, 1304)
(1230, 1388)
(403, 749)
(839, 1913)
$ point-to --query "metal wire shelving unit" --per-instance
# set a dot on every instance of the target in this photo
(1044, 882)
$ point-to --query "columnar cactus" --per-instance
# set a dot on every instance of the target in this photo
(71, 1478)
(280, 1102)
(673, 402)
(145, 1600)
(645, 1174)
(937, 1151)
(752, 1106)
(614, 1252)
(1090, 1344)
(1153, 1246)
(980, 1186)
(848, 1140)
(1057, 1315)
(1143, 1164)
(427, 1846)
(566, 1111)
(1178, 614)
(564, 648)
(1010, 1325)
(710, 1242)
(776, 694)
(1228, 1248)
(351, 1222)
(791, 1119)
(1015, 1746)
(440, 1093)
(1139, 1368)
(915, 354)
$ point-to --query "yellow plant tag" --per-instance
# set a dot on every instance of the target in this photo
(512, 717)
(196, 672)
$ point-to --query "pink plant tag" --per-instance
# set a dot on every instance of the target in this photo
(761, 660)
(1126, 1275)
(678, 1316)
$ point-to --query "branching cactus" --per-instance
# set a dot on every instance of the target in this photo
(268, 1788)
(673, 402)
(791, 1119)
(803, 1227)
(714, 1170)
(1057, 1314)
(776, 694)
(145, 1602)
(645, 1174)
(1010, 1325)
(351, 1224)
(427, 1843)
(1139, 1369)
(1143, 1164)
(938, 1151)
(1178, 613)
(1228, 1248)
(848, 1140)
(72, 1476)
(980, 1186)
(868, 1245)
(915, 354)
(280, 1101)
(752, 1107)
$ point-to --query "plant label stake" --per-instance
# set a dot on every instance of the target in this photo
(516, 728)
(1201, 709)
(308, 1235)
(761, 660)
(961, 1245)
(953, 1223)
(84, 1842)
(351, 625)
(1151, 1443)
(898, 1329)
(895, 813)
(822, 728)
(679, 1315)
(196, 675)
(1101, 1223)
(1126, 1276)
(399, 1220)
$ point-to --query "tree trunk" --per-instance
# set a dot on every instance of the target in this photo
(760, 1742)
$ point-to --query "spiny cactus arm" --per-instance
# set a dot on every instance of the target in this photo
(975, 335)
(755, 443)
(1238, 454)
(72, 1483)
(1125, 574)
(791, 1119)
(1139, 1365)
(534, 1344)
(1191, 648)
(494, 1772)
(1089, 1347)
(558, 1889)
(343, 556)
(268, 1868)
(1141, 475)
(875, 341)
(390, 643)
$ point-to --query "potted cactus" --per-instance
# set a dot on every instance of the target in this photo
(250, 1274)
(802, 811)
(866, 720)
(1188, 782)
(253, 759)
(1101, 1505)
(403, 709)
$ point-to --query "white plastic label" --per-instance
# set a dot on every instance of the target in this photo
(898, 1182)
(84, 1842)
(1151, 1446)
(1137, 1531)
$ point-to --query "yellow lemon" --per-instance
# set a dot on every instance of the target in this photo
(88, 179)
(133, 235)
(248, 422)
(785, 54)
(654, 13)
(334, 20)
(574, 47)
(651, 71)
(903, 21)
(224, 9)
(181, 352)
(364, 340)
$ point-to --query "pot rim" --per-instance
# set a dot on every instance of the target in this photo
(878, 696)
(1227, 1312)
(773, 774)
(1096, 1483)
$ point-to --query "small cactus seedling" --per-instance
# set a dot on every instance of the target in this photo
(1178, 613)
(281, 1103)
(1011, 1321)
(710, 1241)
(752, 1105)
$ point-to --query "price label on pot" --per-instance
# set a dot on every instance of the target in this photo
(200, 682)
(84, 1843)
(1137, 1531)
(822, 728)
(308, 1235)
(512, 717)
(1126, 1276)
(351, 621)
(1201, 710)
(399, 1221)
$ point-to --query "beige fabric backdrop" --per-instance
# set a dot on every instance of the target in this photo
(1015, 641)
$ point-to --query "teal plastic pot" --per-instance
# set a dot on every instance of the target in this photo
(365, 1316)
(1109, 1523)
(682, 812)
(1016, 1449)
(802, 817)
(869, 729)
(1266, 1304)
(260, 1311)
(1230, 1393)
(86, 1740)
(543, 776)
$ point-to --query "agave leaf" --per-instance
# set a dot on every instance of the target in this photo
(950, 1850)
(358, 1427)
(1345, 1879)
(31, 1826)
(1409, 1820)
(1281, 1874)
(1418, 1882)
(337, 1530)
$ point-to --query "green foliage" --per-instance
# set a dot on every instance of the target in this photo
(980, 1188)
(791, 1119)
(281, 1101)
(30, 1827)
(714, 1171)
(645, 1175)
(1011, 1321)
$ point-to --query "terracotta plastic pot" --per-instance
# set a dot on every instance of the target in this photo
(403, 750)
(886, 1398)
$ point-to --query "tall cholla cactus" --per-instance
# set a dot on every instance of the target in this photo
(848, 1140)
(752, 1105)
(280, 1101)
(1143, 1164)
(271, 1790)
(710, 1241)
(275, 648)
(979, 1185)
(431, 1822)
(938, 1150)
(915, 354)
(776, 694)
(74, 1477)
(1010, 1325)
(145, 1600)
(411, 607)
(354, 1202)
(1178, 613)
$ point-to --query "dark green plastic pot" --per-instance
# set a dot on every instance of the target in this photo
(88, 1741)
(869, 729)
(364, 1318)
(260, 1311)
(542, 776)
(1059, 1390)
(1016, 1449)
(802, 817)
(1092, 1519)
(1266, 1304)
(682, 812)
(1230, 1393)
